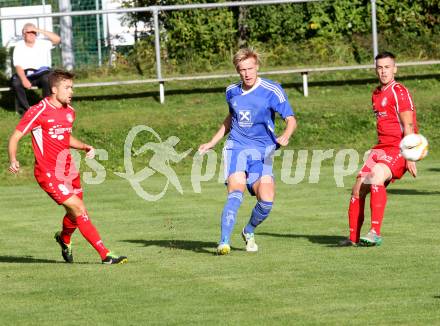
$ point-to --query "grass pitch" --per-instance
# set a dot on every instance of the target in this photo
(173, 277)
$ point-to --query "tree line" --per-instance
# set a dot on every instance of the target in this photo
(321, 32)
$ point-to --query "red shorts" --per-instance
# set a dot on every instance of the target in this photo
(391, 157)
(59, 189)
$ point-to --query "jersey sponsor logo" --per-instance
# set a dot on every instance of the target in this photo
(58, 133)
(69, 117)
(380, 114)
(245, 118)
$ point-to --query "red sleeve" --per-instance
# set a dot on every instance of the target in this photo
(30, 118)
(403, 98)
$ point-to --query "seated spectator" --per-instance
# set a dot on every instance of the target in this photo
(32, 63)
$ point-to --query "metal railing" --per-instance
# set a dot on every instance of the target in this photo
(303, 71)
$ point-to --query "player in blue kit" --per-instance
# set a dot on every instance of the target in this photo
(248, 151)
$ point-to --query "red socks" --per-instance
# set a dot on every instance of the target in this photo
(91, 234)
(378, 201)
(356, 217)
(68, 228)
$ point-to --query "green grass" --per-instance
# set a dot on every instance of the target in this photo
(173, 275)
(337, 114)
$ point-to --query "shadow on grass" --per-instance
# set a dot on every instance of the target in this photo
(401, 191)
(26, 260)
(411, 192)
(327, 240)
(204, 247)
(434, 169)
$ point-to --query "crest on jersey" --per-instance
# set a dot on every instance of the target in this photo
(384, 102)
(245, 118)
(69, 117)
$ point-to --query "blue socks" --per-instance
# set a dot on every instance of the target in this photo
(229, 215)
(259, 214)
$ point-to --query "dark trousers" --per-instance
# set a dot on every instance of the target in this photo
(40, 80)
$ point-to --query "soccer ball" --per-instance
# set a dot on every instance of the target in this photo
(414, 147)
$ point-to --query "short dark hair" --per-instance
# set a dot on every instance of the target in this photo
(58, 75)
(385, 54)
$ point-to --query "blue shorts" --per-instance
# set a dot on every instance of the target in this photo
(254, 162)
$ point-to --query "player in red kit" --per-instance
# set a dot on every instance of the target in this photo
(50, 122)
(396, 117)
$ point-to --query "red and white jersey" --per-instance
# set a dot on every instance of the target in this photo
(51, 128)
(388, 101)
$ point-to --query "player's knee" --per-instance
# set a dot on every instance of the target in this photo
(265, 189)
(379, 174)
(76, 209)
(267, 196)
(375, 178)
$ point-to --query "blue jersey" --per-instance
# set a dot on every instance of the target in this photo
(253, 114)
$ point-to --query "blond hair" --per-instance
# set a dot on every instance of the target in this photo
(245, 53)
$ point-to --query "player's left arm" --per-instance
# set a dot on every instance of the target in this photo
(291, 124)
(406, 118)
(282, 106)
(14, 165)
(77, 144)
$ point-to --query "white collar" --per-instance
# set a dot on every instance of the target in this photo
(257, 83)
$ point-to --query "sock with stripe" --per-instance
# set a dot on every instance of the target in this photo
(356, 217)
(259, 214)
(378, 201)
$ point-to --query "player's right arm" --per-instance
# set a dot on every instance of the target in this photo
(222, 131)
(14, 165)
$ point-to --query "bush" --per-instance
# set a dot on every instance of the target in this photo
(321, 33)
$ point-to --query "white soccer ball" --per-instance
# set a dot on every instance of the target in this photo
(414, 147)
